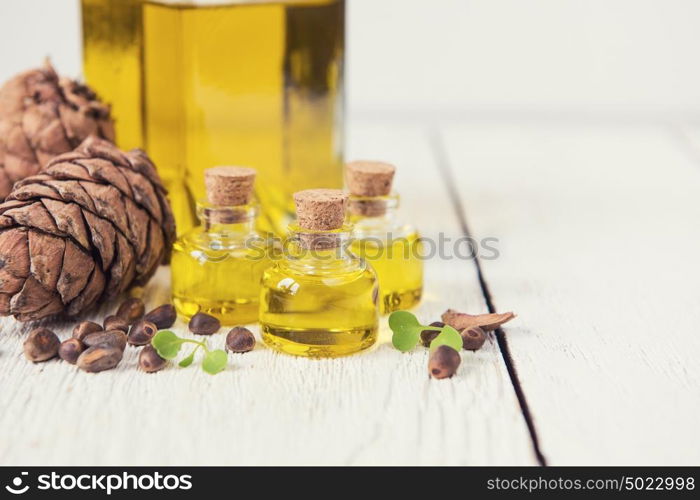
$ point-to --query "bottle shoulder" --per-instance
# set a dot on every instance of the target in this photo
(350, 269)
(198, 242)
(384, 230)
(405, 234)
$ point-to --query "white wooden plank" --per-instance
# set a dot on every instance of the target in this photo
(599, 248)
(375, 408)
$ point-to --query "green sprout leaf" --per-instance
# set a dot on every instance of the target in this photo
(167, 344)
(403, 321)
(214, 362)
(405, 341)
(406, 330)
(449, 337)
(185, 362)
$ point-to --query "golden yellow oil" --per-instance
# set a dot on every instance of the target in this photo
(112, 41)
(246, 83)
(329, 311)
(256, 83)
(219, 275)
(399, 268)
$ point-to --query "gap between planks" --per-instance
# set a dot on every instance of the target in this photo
(443, 164)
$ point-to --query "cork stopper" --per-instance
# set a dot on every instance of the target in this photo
(229, 186)
(369, 178)
(320, 209)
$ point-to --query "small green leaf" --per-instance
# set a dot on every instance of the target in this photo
(214, 362)
(449, 337)
(167, 344)
(188, 360)
(400, 321)
(406, 330)
(404, 341)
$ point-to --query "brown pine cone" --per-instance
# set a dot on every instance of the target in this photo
(93, 223)
(41, 116)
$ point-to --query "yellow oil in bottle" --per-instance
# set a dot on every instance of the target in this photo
(320, 305)
(217, 268)
(399, 267)
(392, 248)
(210, 82)
(112, 41)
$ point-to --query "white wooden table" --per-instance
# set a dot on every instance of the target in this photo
(597, 233)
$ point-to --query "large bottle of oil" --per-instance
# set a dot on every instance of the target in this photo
(256, 83)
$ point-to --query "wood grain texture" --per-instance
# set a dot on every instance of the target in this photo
(598, 241)
(374, 408)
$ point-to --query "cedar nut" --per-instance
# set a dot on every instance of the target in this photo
(443, 362)
(162, 316)
(142, 332)
(150, 361)
(41, 345)
(111, 338)
(85, 328)
(473, 338)
(131, 310)
(116, 323)
(240, 339)
(204, 324)
(99, 358)
(70, 349)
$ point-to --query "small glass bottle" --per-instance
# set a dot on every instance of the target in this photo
(320, 300)
(217, 266)
(391, 247)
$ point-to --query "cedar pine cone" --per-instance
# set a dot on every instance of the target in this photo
(94, 222)
(41, 116)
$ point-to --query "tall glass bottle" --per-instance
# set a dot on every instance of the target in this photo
(247, 82)
(320, 300)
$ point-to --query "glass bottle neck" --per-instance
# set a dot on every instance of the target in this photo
(311, 251)
(372, 214)
(227, 220)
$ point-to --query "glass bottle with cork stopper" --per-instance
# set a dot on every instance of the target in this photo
(217, 266)
(319, 300)
(390, 246)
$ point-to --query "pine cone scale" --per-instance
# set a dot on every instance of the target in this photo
(145, 195)
(46, 258)
(14, 260)
(103, 237)
(72, 191)
(123, 269)
(34, 216)
(75, 272)
(108, 204)
(90, 294)
(155, 240)
(103, 169)
(21, 149)
(36, 190)
(138, 223)
(33, 298)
